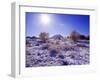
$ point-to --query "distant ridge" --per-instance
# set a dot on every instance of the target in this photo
(57, 37)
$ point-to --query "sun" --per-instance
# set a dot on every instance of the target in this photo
(45, 19)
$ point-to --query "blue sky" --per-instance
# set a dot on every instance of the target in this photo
(58, 24)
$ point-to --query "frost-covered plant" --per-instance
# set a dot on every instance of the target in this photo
(88, 37)
(57, 42)
(55, 46)
(44, 36)
(64, 63)
(28, 44)
(46, 46)
(74, 36)
(53, 53)
(61, 56)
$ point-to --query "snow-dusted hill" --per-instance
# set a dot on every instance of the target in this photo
(56, 52)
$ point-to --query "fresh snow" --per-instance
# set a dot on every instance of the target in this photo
(55, 52)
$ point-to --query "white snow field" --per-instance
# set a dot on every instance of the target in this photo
(56, 52)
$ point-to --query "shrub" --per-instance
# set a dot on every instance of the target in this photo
(28, 44)
(69, 49)
(44, 36)
(28, 53)
(74, 36)
(83, 37)
(27, 65)
(53, 53)
(61, 56)
(45, 47)
(65, 63)
(88, 37)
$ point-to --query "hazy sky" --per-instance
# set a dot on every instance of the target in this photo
(56, 23)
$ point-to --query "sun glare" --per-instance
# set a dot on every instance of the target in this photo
(45, 19)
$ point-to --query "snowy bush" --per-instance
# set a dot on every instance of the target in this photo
(74, 36)
(61, 56)
(53, 53)
(44, 36)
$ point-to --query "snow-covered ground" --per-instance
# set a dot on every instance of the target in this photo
(56, 52)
